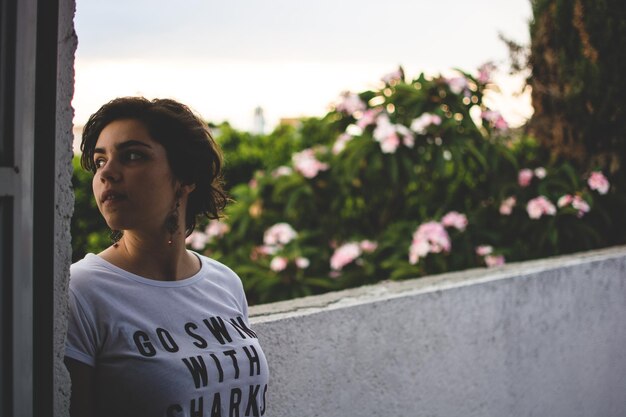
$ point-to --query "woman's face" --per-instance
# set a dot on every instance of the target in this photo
(133, 185)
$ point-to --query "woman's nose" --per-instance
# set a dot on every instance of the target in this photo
(110, 171)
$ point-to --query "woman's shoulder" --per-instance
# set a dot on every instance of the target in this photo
(219, 272)
(82, 269)
(84, 263)
(89, 273)
(226, 280)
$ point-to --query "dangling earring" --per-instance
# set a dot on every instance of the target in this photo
(171, 223)
(115, 237)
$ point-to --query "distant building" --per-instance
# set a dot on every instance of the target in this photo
(290, 121)
(258, 126)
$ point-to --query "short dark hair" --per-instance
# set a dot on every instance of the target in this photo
(193, 154)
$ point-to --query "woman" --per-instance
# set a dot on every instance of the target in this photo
(155, 329)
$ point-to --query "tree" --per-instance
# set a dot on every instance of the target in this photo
(578, 62)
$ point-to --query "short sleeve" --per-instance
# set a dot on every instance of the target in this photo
(231, 282)
(244, 307)
(243, 301)
(81, 343)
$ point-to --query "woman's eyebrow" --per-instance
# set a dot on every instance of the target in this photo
(124, 145)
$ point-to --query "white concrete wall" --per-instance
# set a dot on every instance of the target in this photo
(540, 338)
(64, 198)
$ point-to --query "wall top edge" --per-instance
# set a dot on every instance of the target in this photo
(395, 289)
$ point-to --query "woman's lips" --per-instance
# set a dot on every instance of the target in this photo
(112, 197)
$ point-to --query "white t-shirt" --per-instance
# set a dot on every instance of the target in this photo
(166, 348)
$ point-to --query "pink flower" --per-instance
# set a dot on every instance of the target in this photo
(417, 250)
(368, 246)
(350, 103)
(407, 135)
(501, 124)
(455, 219)
(266, 249)
(565, 200)
(409, 141)
(344, 255)
(302, 262)
(435, 235)
(279, 234)
(457, 84)
(282, 171)
(429, 237)
(484, 250)
(420, 124)
(484, 72)
(393, 77)
(495, 118)
(340, 143)
(494, 260)
(386, 135)
(216, 229)
(506, 207)
(581, 205)
(540, 206)
(390, 143)
(540, 172)
(597, 181)
(368, 117)
(278, 263)
(577, 203)
(524, 177)
(253, 183)
(197, 240)
(384, 128)
(389, 135)
(262, 250)
(307, 164)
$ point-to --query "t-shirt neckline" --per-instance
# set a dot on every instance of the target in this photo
(149, 281)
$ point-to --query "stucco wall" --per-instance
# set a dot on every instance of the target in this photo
(541, 338)
(64, 198)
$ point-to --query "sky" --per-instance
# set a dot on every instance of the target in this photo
(290, 57)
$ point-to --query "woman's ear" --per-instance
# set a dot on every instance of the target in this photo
(186, 189)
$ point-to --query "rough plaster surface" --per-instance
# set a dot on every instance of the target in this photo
(540, 338)
(64, 198)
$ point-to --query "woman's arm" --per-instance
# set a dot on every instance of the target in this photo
(82, 400)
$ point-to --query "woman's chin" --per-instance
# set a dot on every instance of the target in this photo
(116, 224)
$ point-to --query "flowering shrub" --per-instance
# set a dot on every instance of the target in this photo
(415, 177)
(428, 174)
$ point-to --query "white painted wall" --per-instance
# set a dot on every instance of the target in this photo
(540, 338)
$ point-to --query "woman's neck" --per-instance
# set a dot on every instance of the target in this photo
(153, 256)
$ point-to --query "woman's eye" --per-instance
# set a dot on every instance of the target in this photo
(134, 156)
(99, 163)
